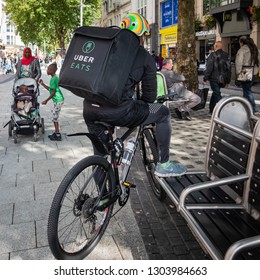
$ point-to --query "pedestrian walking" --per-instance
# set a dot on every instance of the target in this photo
(218, 73)
(57, 98)
(248, 55)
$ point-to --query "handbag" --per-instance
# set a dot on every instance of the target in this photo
(203, 94)
(246, 74)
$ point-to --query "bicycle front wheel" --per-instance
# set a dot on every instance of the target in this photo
(150, 159)
(76, 223)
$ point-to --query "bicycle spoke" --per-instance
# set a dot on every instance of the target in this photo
(75, 223)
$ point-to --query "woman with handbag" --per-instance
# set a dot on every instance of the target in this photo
(247, 66)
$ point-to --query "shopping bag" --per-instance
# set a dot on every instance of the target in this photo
(203, 94)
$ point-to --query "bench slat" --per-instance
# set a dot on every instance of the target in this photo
(228, 230)
(219, 241)
(230, 168)
(221, 173)
(224, 227)
(215, 195)
(236, 140)
(238, 157)
(179, 184)
(257, 156)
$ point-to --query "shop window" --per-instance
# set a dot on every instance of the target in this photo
(142, 7)
(8, 40)
(219, 3)
(205, 7)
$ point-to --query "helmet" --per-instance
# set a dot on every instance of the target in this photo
(135, 23)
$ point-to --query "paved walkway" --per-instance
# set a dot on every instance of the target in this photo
(30, 173)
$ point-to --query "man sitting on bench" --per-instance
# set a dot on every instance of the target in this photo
(175, 83)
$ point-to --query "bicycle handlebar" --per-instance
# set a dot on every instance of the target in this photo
(166, 97)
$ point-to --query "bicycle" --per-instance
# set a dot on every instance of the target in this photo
(84, 201)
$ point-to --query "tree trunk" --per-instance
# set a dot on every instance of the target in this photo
(186, 41)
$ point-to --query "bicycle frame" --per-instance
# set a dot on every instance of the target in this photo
(121, 178)
(115, 160)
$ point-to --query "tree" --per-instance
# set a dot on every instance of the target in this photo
(52, 21)
(186, 54)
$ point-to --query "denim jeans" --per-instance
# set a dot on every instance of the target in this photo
(216, 95)
(247, 93)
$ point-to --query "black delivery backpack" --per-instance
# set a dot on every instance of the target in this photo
(98, 63)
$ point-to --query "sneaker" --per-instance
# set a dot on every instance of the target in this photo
(186, 116)
(52, 135)
(257, 114)
(55, 137)
(169, 169)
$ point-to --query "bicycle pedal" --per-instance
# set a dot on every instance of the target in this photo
(129, 185)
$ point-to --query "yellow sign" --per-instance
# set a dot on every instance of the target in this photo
(227, 16)
(164, 51)
(169, 35)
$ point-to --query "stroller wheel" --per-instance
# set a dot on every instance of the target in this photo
(42, 125)
(15, 137)
(10, 129)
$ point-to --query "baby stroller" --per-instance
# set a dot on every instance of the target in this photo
(25, 121)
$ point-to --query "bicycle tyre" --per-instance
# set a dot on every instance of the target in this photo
(70, 217)
(152, 157)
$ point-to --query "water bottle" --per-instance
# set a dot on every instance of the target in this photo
(129, 152)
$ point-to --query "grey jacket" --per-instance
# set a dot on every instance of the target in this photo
(172, 77)
(175, 83)
(243, 58)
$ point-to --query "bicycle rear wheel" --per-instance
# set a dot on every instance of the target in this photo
(150, 159)
(76, 223)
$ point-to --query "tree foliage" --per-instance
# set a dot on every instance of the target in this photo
(186, 55)
(52, 21)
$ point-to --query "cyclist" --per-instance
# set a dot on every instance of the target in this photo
(132, 112)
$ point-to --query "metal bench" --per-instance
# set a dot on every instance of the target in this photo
(227, 155)
(220, 203)
(229, 231)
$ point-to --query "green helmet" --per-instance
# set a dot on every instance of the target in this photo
(136, 23)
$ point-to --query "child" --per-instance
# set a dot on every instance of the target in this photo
(24, 102)
(57, 98)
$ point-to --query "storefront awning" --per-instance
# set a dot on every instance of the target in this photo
(169, 35)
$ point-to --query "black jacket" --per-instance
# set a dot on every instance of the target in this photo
(130, 112)
(218, 63)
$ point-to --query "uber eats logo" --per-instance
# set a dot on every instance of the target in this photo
(83, 62)
(88, 47)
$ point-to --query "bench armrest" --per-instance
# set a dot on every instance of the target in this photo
(241, 245)
(209, 184)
